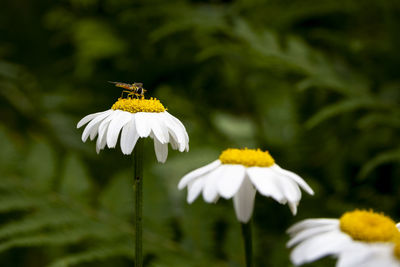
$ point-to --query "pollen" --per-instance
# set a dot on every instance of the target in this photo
(369, 226)
(247, 157)
(134, 105)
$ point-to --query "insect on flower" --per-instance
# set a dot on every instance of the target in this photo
(134, 89)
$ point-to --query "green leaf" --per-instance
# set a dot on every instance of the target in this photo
(75, 180)
(59, 237)
(94, 40)
(240, 129)
(40, 165)
(118, 195)
(18, 203)
(344, 106)
(381, 158)
(94, 254)
(38, 221)
(8, 153)
(388, 119)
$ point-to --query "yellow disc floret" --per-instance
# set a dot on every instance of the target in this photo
(247, 157)
(369, 226)
(134, 105)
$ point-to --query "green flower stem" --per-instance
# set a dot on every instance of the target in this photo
(138, 164)
(248, 248)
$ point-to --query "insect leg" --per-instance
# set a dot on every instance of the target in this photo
(125, 91)
(131, 94)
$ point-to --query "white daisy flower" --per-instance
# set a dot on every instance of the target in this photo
(358, 239)
(134, 119)
(239, 173)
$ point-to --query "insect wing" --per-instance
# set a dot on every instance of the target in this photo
(124, 85)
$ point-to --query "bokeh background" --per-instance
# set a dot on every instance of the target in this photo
(315, 82)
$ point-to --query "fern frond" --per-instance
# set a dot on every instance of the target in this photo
(37, 222)
(59, 237)
(18, 203)
(9, 184)
(388, 119)
(384, 157)
(94, 254)
(343, 107)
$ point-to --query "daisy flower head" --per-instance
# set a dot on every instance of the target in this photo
(359, 238)
(136, 118)
(238, 174)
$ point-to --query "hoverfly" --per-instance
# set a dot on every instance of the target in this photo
(134, 89)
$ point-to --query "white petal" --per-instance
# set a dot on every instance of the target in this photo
(142, 123)
(94, 123)
(288, 187)
(293, 207)
(178, 130)
(103, 126)
(355, 257)
(115, 127)
(175, 131)
(88, 118)
(311, 223)
(243, 201)
(173, 141)
(310, 232)
(198, 172)
(159, 129)
(329, 243)
(102, 139)
(210, 192)
(180, 124)
(295, 177)
(368, 255)
(93, 132)
(232, 179)
(194, 189)
(266, 185)
(129, 137)
(283, 184)
(161, 150)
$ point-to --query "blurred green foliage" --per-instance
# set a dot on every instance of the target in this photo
(315, 82)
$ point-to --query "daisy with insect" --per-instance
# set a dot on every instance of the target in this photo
(132, 118)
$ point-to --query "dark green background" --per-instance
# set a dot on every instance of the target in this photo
(315, 82)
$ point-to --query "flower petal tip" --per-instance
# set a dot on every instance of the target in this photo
(244, 220)
(162, 160)
(311, 192)
(180, 185)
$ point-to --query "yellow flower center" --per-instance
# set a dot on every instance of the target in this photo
(369, 226)
(134, 105)
(246, 157)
